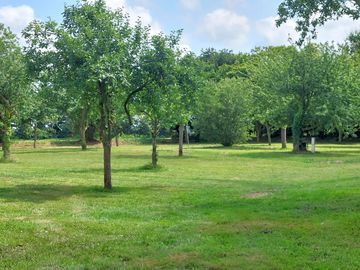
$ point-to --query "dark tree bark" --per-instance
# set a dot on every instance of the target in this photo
(90, 133)
(283, 138)
(268, 132)
(105, 131)
(181, 139)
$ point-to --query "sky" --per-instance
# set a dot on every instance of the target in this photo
(238, 25)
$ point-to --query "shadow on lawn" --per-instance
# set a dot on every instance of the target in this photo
(239, 147)
(100, 170)
(320, 156)
(53, 151)
(161, 155)
(44, 193)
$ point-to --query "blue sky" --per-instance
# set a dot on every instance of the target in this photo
(239, 25)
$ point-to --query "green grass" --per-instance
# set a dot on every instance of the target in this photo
(245, 207)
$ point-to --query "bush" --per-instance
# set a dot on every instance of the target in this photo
(224, 112)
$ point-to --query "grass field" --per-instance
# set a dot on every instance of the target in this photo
(245, 207)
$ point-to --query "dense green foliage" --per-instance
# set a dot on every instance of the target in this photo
(225, 112)
(13, 85)
(99, 75)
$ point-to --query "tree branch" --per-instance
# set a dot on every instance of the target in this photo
(130, 96)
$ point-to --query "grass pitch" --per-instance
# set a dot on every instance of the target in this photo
(246, 207)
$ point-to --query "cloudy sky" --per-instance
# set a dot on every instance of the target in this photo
(239, 25)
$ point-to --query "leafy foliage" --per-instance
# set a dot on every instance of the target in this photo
(311, 14)
(225, 111)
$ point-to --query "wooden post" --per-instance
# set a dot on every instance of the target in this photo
(313, 145)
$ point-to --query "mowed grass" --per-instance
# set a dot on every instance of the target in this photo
(245, 207)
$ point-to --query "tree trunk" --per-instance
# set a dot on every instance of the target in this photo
(6, 140)
(258, 132)
(298, 144)
(105, 131)
(268, 132)
(107, 165)
(90, 133)
(283, 138)
(35, 136)
(82, 128)
(83, 138)
(340, 136)
(181, 139)
(154, 156)
(117, 140)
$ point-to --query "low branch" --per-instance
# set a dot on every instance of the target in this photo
(130, 96)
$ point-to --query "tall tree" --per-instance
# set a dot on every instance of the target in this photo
(269, 72)
(309, 85)
(159, 97)
(92, 49)
(189, 78)
(13, 85)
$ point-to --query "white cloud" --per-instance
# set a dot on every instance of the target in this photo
(276, 36)
(190, 4)
(339, 30)
(226, 28)
(17, 18)
(336, 31)
(136, 12)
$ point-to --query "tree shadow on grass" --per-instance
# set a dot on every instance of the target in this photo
(54, 192)
(340, 146)
(148, 157)
(238, 147)
(295, 156)
(52, 151)
(100, 170)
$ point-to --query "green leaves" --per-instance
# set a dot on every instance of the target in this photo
(310, 14)
(224, 113)
(13, 85)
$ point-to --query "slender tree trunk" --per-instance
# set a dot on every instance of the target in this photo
(298, 144)
(83, 138)
(268, 132)
(35, 136)
(181, 139)
(6, 139)
(154, 157)
(107, 165)
(117, 140)
(258, 132)
(340, 136)
(105, 131)
(82, 128)
(283, 138)
(90, 133)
